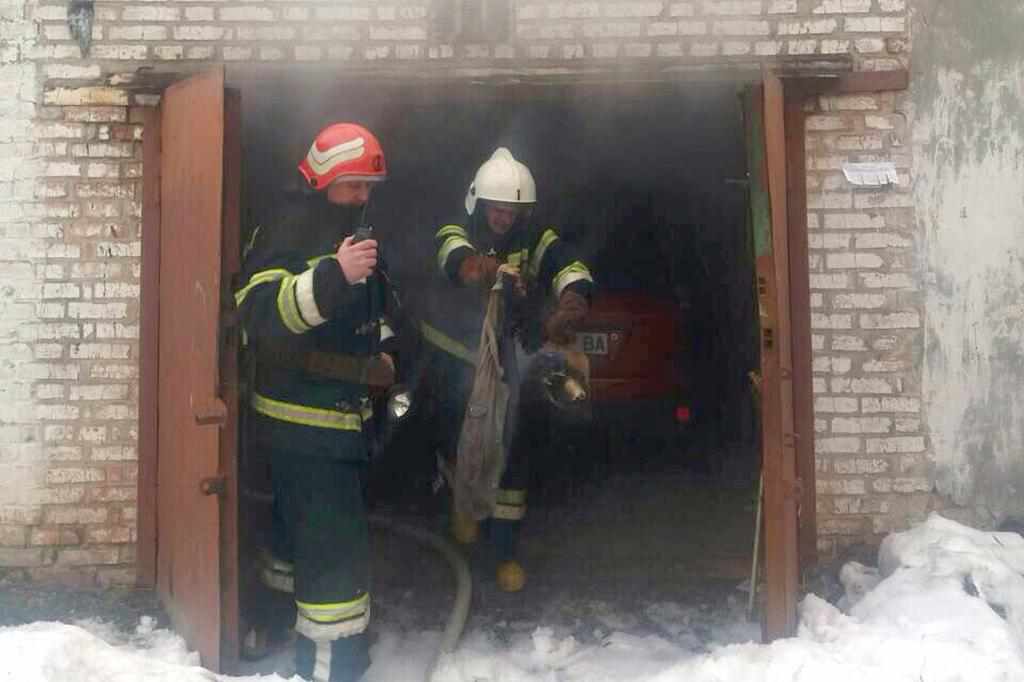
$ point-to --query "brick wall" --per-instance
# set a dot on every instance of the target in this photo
(21, 256)
(722, 30)
(70, 220)
(69, 247)
(698, 31)
(867, 305)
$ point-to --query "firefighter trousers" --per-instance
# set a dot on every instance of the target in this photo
(320, 528)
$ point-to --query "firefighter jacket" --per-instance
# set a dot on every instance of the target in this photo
(454, 315)
(295, 304)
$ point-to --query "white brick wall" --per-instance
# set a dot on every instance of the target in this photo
(868, 323)
(68, 277)
(25, 353)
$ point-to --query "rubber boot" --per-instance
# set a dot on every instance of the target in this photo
(255, 643)
(271, 609)
(510, 574)
(275, 573)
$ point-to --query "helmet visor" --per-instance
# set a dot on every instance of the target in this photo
(358, 178)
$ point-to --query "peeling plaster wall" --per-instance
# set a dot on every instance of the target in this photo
(968, 94)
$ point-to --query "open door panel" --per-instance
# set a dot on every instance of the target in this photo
(195, 448)
(767, 152)
(781, 492)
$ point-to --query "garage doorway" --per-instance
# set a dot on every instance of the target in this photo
(784, 356)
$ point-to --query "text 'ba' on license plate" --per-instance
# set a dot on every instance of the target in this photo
(592, 343)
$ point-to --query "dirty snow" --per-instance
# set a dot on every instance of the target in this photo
(945, 605)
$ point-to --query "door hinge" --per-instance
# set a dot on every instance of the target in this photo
(214, 485)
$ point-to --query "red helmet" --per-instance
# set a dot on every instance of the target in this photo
(343, 150)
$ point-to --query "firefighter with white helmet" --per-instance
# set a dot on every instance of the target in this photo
(314, 310)
(502, 179)
(498, 237)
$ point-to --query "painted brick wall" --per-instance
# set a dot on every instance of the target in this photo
(69, 247)
(699, 31)
(724, 30)
(867, 305)
(70, 218)
(22, 254)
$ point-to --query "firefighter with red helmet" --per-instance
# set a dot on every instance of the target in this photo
(499, 238)
(314, 309)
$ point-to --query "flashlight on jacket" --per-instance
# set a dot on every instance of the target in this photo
(398, 403)
(398, 407)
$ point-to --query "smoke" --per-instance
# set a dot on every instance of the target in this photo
(634, 178)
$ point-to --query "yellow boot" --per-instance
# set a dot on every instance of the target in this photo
(465, 529)
(511, 576)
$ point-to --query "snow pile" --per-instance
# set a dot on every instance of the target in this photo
(161, 645)
(91, 651)
(945, 605)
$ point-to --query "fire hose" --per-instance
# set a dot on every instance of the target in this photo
(398, 406)
(463, 582)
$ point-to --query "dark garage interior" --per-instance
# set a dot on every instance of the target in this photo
(655, 497)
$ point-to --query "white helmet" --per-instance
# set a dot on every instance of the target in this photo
(502, 178)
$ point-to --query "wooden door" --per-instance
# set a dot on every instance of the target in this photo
(195, 562)
(767, 142)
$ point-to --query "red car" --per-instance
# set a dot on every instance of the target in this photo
(639, 376)
(636, 350)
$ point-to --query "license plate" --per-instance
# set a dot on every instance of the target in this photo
(592, 343)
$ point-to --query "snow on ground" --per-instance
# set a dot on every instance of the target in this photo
(945, 605)
(94, 652)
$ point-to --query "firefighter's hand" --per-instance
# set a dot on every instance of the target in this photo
(560, 329)
(477, 270)
(518, 285)
(358, 260)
